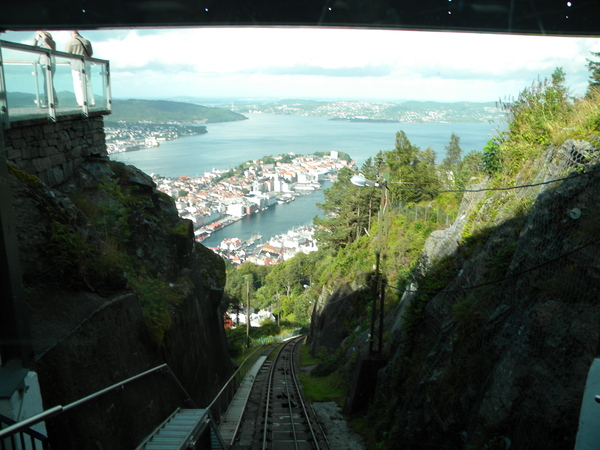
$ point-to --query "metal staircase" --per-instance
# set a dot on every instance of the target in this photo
(24, 439)
(185, 429)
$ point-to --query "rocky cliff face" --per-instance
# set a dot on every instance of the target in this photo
(116, 285)
(490, 347)
(334, 314)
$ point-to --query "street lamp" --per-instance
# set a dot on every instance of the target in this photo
(378, 290)
(360, 181)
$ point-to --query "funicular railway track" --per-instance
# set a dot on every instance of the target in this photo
(282, 419)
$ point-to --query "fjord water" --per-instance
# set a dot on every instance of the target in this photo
(277, 219)
(226, 145)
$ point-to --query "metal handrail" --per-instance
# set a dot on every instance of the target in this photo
(244, 368)
(34, 437)
(8, 421)
(52, 412)
(51, 110)
(32, 49)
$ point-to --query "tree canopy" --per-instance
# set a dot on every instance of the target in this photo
(348, 209)
(594, 68)
(412, 170)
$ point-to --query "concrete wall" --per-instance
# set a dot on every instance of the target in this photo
(52, 151)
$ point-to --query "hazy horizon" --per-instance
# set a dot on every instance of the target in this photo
(183, 99)
(329, 63)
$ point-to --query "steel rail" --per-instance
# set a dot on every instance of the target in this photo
(290, 369)
(301, 399)
(268, 399)
(286, 363)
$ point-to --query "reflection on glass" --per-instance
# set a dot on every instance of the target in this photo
(44, 69)
(24, 81)
(63, 83)
(98, 75)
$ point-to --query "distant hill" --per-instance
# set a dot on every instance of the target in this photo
(372, 111)
(164, 111)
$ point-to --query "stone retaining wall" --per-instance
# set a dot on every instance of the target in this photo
(53, 151)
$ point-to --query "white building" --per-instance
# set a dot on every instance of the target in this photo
(230, 244)
(236, 210)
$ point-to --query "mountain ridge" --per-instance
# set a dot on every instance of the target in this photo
(413, 111)
(407, 111)
(165, 111)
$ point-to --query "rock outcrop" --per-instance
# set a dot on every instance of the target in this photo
(491, 344)
(116, 285)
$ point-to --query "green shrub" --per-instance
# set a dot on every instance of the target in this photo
(157, 298)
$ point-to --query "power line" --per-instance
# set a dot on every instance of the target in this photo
(514, 275)
(499, 280)
(507, 188)
(488, 283)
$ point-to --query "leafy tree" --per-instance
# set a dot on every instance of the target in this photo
(285, 284)
(470, 166)
(491, 158)
(289, 275)
(235, 286)
(298, 307)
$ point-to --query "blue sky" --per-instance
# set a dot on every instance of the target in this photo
(329, 63)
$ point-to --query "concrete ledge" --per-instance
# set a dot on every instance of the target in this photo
(588, 434)
(61, 118)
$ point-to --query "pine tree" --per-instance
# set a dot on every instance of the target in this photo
(453, 153)
(451, 162)
(348, 210)
(594, 68)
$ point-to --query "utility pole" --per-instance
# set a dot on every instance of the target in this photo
(247, 312)
(278, 307)
(374, 306)
(378, 288)
(382, 270)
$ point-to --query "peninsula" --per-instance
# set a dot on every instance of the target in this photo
(139, 124)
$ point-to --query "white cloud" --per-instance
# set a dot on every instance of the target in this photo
(331, 62)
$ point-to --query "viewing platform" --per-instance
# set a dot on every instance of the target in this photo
(51, 110)
(43, 85)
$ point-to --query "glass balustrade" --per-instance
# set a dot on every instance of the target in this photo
(38, 83)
